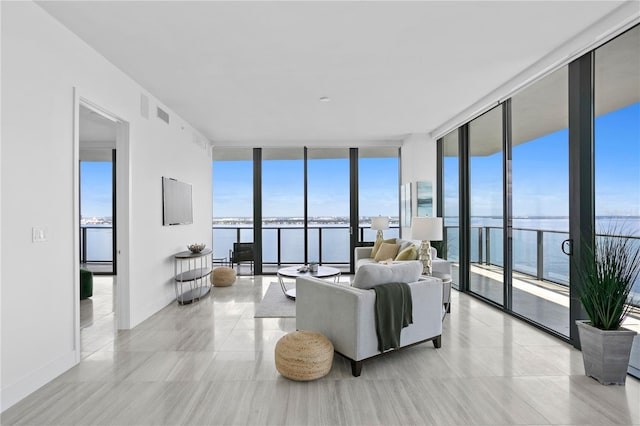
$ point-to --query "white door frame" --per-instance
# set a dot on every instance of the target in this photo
(123, 167)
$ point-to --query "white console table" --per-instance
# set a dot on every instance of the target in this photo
(191, 272)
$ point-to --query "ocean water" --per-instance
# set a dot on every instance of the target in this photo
(335, 243)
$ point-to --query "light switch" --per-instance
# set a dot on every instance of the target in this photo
(38, 235)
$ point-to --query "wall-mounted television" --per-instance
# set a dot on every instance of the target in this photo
(177, 207)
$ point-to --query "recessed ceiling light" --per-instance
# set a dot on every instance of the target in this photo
(325, 99)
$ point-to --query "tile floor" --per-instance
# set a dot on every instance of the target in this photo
(213, 363)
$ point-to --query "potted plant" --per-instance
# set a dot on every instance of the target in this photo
(607, 279)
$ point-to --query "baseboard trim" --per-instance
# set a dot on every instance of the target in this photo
(13, 393)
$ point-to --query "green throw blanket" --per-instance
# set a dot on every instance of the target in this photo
(393, 313)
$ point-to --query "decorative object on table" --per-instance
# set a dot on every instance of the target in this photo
(424, 198)
(303, 355)
(379, 223)
(426, 229)
(223, 277)
(405, 204)
(196, 247)
(313, 266)
(607, 277)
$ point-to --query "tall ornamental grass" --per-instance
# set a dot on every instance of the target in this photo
(609, 275)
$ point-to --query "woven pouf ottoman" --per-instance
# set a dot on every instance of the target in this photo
(304, 355)
(223, 277)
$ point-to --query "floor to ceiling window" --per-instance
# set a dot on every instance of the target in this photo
(548, 127)
(378, 186)
(282, 207)
(328, 212)
(540, 200)
(323, 204)
(486, 209)
(451, 204)
(617, 149)
(232, 199)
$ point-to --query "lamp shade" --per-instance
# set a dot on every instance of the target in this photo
(379, 223)
(426, 228)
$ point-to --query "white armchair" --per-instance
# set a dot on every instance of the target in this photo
(345, 315)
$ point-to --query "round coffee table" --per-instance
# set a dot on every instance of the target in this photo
(293, 272)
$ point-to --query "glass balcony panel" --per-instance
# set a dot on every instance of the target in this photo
(223, 239)
(270, 245)
(314, 244)
(495, 246)
(292, 245)
(556, 263)
(99, 244)
(335, 245)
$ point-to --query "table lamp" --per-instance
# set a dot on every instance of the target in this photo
(426, 229)
(379, 223)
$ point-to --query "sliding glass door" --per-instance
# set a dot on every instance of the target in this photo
(540, 197)
(486, 209)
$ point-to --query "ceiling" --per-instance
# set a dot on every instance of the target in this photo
(253, 72)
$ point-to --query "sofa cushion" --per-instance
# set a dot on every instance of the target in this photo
(378, 243)
(409, 253)
(405, 243)
(373, 274)
(387, 251)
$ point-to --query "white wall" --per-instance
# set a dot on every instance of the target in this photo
(418, 164)
(42, 62)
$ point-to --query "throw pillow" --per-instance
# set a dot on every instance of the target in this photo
(373, 274)
(387, 251)
(377, 245)
(410, 253)
(404, 243)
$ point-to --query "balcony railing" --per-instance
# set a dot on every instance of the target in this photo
(285, 244)
(96, 244)
(536, 252)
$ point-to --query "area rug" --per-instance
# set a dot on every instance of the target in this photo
(275, 304)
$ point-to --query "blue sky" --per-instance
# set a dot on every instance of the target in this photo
(95, 189)
(540, 180)
(328, 188)
(540, 172)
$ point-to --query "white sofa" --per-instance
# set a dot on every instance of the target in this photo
(345, 315)
(440, 268)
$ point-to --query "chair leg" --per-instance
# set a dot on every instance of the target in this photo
(356, 368)
(437, 342)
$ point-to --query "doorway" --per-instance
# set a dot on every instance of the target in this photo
(97, 229)
(101, 240)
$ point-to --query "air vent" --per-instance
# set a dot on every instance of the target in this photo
(163, 115)
(144, 105)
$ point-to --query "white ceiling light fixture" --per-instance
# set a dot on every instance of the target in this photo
(325, 99)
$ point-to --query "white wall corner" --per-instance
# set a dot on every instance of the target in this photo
(419, 164)
(14, 392)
